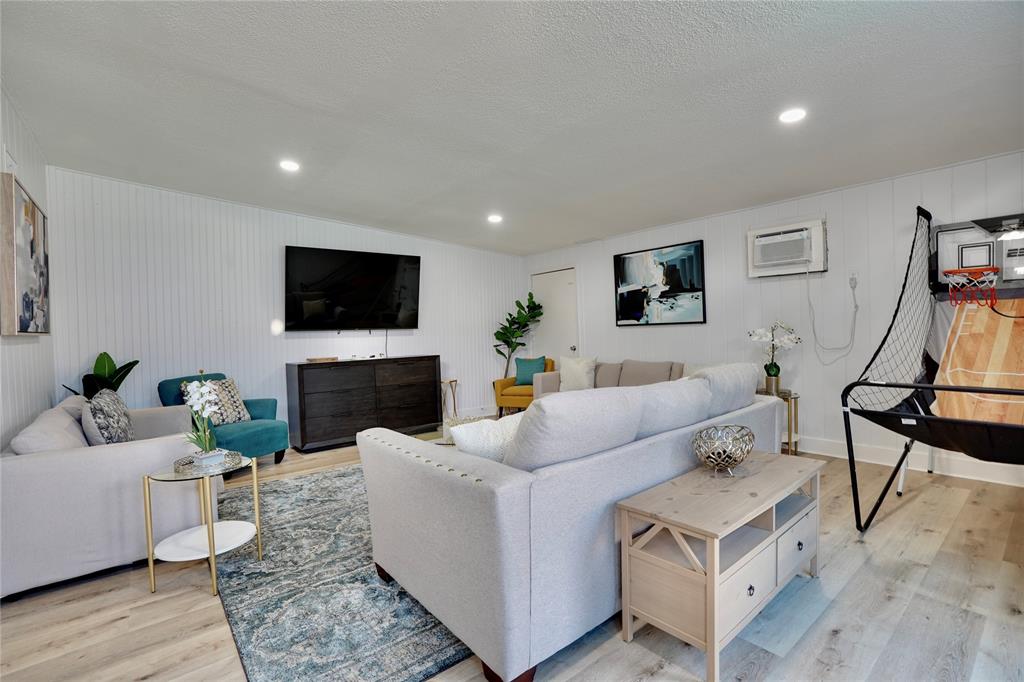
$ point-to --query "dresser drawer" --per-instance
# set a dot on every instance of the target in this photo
(323, 429)
(408, 371)
(338, 403)
(336, 377)
(406, 395)
(746, 589)
(798, 544)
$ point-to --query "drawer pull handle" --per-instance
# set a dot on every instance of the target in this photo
(750, 590)
(800, 546)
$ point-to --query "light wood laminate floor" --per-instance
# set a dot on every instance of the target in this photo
(935, 590)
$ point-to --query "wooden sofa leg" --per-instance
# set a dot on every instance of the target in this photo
(492, 676)
(278, 456)
(384, 575)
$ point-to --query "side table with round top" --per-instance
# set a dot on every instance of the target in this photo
(792, 400)
(210, 538)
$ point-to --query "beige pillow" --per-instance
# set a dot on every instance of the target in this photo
(565, 426)
(576, 373)
(54, 429)
(230, 407)
(733, 386)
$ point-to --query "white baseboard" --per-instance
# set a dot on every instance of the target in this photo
(948, 463)
(486, 411)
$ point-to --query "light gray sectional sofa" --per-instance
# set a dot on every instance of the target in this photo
(519, 558)
(608, 374)
(69, 509)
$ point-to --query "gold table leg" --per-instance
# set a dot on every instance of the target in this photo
(208, 507)
(795, 402)
(789, 426)
(256, 509)
(202, 505)
(148, 509)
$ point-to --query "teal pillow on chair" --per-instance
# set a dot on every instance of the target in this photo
(526, 368)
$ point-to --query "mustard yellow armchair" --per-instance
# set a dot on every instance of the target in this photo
(507, 394)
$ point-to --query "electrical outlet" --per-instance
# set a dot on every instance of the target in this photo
(854, 278)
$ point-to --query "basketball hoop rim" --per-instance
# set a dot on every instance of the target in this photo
(972, 285)
(983, 270)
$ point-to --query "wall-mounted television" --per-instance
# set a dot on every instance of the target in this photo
(336, 290)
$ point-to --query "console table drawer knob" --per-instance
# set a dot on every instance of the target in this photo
(750, 591)
(800, 546)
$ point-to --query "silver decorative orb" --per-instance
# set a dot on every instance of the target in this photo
(723, 447)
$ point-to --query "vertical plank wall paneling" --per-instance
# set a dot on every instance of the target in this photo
(26, 362)
(870, 228)
(183, 282)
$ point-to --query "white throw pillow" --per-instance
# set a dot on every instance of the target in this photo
(565, 426)
(74, 405)
(576, 373)
(54, 429)
(673, 404)
(487, 438)
(732, 386)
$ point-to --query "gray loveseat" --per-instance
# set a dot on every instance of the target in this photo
(520, 558)
(607, 374)
(68, 509)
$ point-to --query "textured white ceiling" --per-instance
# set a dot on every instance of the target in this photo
(575, 120)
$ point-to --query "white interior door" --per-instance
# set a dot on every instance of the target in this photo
(557, 333)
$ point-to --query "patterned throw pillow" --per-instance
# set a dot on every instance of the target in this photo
(230, 408)
(105, 419)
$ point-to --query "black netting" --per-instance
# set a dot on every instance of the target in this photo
(901, 357)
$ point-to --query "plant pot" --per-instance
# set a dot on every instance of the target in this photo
(771, 385)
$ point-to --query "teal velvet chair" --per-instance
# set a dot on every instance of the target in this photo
(263, 435)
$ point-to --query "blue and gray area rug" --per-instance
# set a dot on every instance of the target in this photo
(314, 608)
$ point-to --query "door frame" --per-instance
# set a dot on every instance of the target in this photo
(580, 336)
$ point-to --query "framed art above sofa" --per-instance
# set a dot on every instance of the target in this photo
(24, 262)
(661, 286)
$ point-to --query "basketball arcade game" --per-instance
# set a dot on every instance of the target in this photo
(970, 265)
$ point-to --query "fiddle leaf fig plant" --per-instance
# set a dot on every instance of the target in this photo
(516, 326)
(105, 374)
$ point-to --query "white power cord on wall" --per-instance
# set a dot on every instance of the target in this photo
(847, 347)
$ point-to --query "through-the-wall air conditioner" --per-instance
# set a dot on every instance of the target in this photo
(787, 249)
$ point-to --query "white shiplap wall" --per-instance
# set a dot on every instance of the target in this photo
(869, 232)
(26, 362)
(183, 282)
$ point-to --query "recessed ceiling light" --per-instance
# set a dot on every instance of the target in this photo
(792, 115)
(494, 218)
(289, 165)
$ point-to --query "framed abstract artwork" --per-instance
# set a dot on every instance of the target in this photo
(24, 262)
(661, 286)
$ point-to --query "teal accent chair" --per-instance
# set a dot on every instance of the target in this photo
(263, 435)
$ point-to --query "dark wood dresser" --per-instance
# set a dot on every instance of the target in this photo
(329, 402)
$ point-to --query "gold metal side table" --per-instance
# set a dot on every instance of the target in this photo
(219, 536)
(792, 400)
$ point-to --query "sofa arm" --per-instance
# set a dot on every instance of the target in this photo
(67, 513)
(454, 530)
(500, 385)
(545, 383)
(261, 408)
(153, 422)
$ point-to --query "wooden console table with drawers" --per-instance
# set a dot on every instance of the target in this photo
(703, 554)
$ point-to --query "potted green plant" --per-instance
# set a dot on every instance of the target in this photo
(777, 337)
(105, 374)
(517, 324)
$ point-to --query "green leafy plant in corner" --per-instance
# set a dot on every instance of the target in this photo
(517, 325)
(105, 374)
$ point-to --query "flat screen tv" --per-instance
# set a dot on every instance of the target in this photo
(332, 289)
